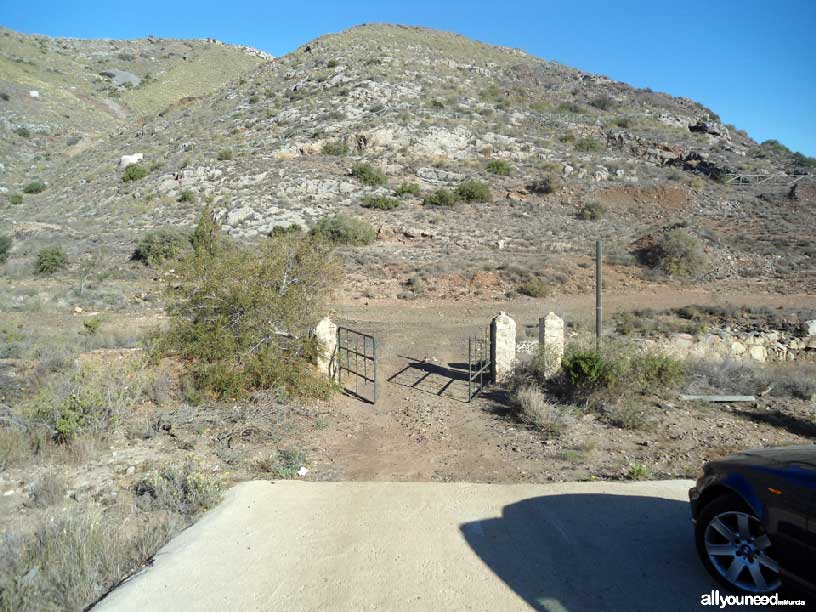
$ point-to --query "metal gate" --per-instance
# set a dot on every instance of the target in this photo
(357, 359)
(478, 364)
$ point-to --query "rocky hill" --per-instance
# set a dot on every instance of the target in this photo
(430, 110)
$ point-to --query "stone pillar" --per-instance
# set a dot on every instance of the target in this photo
(502, 346)
(551, 341)
(326, 333)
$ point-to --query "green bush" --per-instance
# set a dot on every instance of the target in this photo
(681, 254)
(380, 203)
(473, 191)
(602, 102)
(35, 187)
(368, 174)
(158, 246)
(586, 145)
(91, 326)
(441, 197)
(16, 199)
(225, 154)
(407, 189)
(240, 316)
(499, 166)
(337, 148)
(591, 211)
(344, 229)
(134, 172)
(621, 371)
(50, 260)
(23, 132)
(5, 247)
(186, 196)
(535, 287)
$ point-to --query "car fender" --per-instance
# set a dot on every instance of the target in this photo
(737, 483)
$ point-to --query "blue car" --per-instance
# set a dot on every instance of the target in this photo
(755, 519)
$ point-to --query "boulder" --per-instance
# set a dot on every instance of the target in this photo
(129, 160)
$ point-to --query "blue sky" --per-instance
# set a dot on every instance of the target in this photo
(751, 61)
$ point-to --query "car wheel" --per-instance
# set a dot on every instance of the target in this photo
(734, 547)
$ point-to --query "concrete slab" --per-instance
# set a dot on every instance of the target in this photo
(430, 546)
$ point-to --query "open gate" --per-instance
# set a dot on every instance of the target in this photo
(357, 363)
(479, 363)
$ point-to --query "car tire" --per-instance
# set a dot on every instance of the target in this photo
(734, 548)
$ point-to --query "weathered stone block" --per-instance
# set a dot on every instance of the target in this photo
(502, 346)
(326, 333)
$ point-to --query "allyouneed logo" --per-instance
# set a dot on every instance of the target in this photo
(722, 601)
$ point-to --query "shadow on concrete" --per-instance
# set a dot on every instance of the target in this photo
(594, 552)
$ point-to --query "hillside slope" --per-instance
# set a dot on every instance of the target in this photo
(436, 109)
(58, 95)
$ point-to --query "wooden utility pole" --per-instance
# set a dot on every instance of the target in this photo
(598, 288)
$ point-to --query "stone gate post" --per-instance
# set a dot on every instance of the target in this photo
(326, 333)
(502, 347)
(551, 341)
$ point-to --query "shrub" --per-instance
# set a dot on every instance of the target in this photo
(368, 174)
(544, 185)
(473, 191)
(5, 247)
(380, 202)
(681, 254)
(344, 229)
(23, 132)
(586, 145)
(186, 196)
(88, 400)
(441, 197)
(285, 230)
(499, 167)
(591, 211)
(49, 489)
(622, 122)
(621, 371)
(14, 448)
(134, 172)
(337, 148)
(571, 107)
(91, 326)
(35, 187)
(16, 199)
(158, 246)
(602, 102)
(535, 287)
(71, 559)
(407, 189)
(50, 260)
(182, 489)
(225, 154)
(287, 462)
(530, 406)
(638, 471)
(240, 317)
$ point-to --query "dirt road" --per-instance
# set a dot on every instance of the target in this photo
(430, 546)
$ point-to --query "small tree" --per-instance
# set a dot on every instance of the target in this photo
(240, 316)
(473, 191)
(681, 254)
(5, 247)
(134, 172)
(368, 174)
(35, 187)
(158, 246)
(344, 229)
(50, 260)
(499, 166)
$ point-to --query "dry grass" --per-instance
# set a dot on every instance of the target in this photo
(73, 558)
(49, 489)
(531, 407)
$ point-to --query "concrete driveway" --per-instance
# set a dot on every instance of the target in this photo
(430, 546)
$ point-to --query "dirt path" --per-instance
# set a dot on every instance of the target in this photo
(422, 428)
